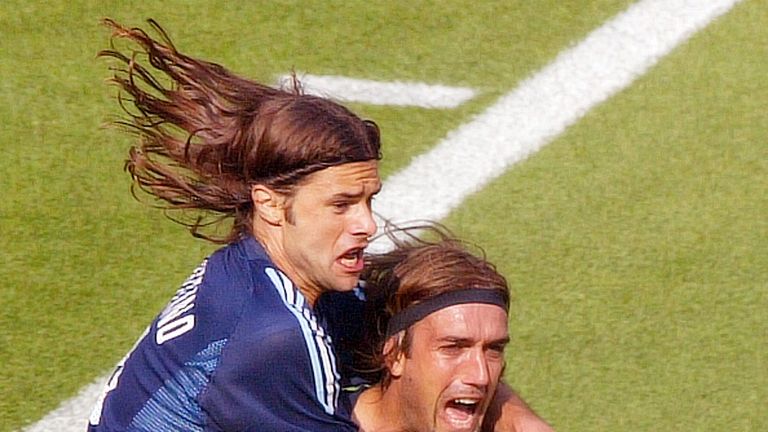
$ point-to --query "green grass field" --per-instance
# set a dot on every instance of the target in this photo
(636, 243)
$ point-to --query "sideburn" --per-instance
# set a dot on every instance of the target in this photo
(290, 216)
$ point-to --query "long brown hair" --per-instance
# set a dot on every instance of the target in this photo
(206, 136)
(418, 268)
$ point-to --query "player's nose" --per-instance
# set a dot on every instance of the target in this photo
(364, 223)
(475, 370)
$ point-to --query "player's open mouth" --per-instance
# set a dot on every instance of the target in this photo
(352, 260)
(462, 413)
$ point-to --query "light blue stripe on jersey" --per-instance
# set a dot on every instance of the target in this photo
(329, 360)
(174, 406)
(318, 343)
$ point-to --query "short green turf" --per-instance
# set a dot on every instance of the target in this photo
(635, 243)
(637, 248)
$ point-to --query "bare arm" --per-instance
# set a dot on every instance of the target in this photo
(509, 413)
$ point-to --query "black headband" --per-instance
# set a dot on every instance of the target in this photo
(417, 312)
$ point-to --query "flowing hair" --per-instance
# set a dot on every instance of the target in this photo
(206, 135)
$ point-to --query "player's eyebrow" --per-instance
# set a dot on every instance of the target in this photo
(456, 340)
(501, 341)
(355, 195)
(346, 196)
(469, 341)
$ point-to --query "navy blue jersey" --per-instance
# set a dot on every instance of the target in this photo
(237, 349)
(344, 315)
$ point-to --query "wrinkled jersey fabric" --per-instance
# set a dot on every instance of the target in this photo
(238, 348)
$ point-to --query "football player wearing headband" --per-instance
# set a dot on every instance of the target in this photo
(438, 322)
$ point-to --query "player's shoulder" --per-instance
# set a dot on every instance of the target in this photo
(279, 324)
(240, 269)
(233, 287)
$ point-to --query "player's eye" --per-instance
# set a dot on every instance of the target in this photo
(340, 206)
(454, 348)
(451, 348)
(496, 351)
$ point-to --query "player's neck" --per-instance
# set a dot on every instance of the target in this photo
(378, 411)
(271, 241)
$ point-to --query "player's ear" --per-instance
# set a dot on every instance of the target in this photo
(268, 205)
(394, 355)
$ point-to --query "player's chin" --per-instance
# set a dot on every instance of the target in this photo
(346, 278)
(345, 281)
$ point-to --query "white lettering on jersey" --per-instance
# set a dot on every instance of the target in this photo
(176, 319)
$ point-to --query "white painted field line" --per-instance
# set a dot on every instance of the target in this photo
(384, 93)
(520, 123)
(541, 108)
(72, 415)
